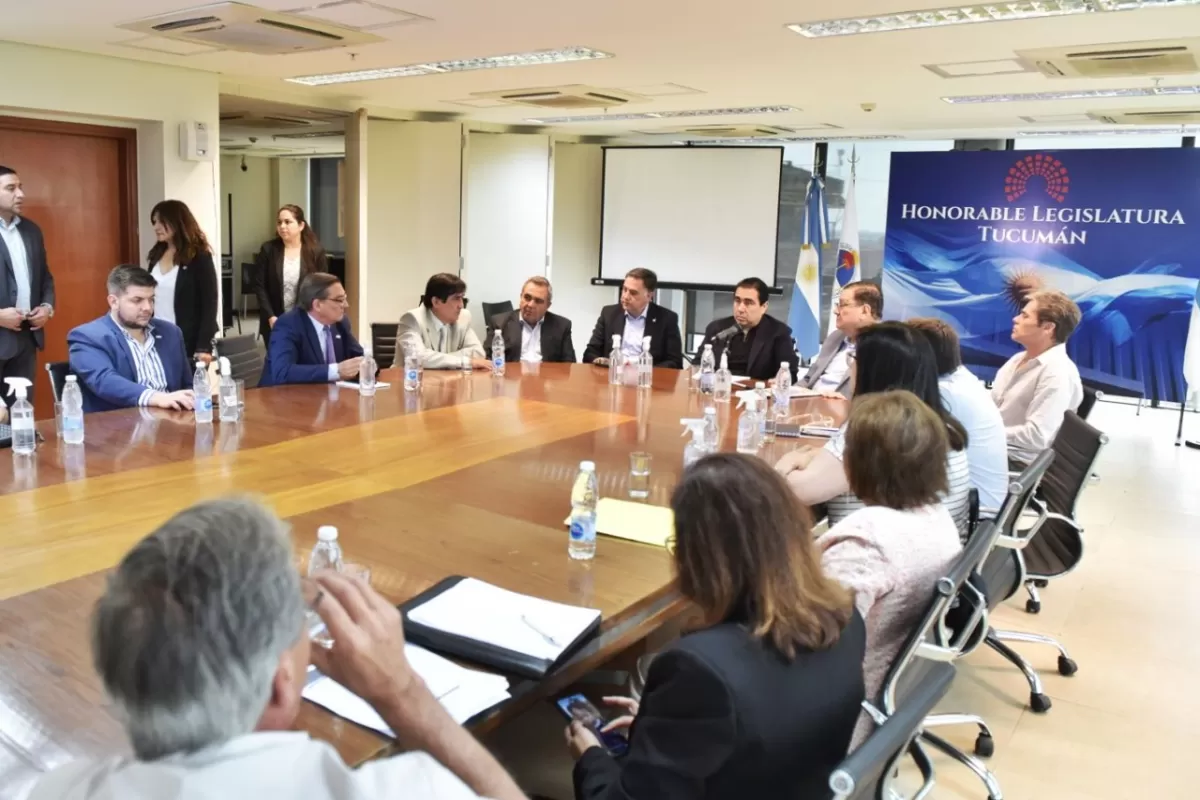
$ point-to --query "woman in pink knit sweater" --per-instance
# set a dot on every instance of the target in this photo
(891, 552)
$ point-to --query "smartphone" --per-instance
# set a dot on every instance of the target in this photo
(578, 707)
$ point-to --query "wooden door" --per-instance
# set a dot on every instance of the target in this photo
(80, 186)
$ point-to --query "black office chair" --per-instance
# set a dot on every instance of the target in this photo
(228, 312)
(383, 343)
(867, 773)
(1090, 396)
(1058, 548)
(249, 273)
(490, 310)
(58, 372)
(245, 359)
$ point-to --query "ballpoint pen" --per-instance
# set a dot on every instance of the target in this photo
(549, 639)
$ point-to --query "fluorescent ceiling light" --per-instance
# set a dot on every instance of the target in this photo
(560, 56)
(706, 112)
(1071, 94)
(970, 69)
(786, 139)
(965, 15)
(1180, 131)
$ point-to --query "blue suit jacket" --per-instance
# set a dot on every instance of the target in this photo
(99, 355)
(295, 355)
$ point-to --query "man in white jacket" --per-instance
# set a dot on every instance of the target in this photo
(439, 330)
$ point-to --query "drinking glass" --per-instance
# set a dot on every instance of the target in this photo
(58, 425)
(241, 392)
(639, 475)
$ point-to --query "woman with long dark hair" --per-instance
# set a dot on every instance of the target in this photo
(281, 263)
(182, 263)
(761, 701)
(889, 355)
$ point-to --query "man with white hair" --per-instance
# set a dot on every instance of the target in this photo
(201, 643)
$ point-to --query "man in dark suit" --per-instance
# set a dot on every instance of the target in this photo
(26, 285)
(860, 305)
(757, 343)
(634, 317)
(127, 358)
(312, 343)
(533, 333)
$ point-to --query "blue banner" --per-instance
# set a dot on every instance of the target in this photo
(969, 234)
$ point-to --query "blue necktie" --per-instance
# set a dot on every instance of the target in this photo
(330, 358)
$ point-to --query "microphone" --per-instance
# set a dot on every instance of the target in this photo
(727, 333)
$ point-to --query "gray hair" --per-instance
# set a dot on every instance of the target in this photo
(538, 280)
(313, 287)
(191, 627)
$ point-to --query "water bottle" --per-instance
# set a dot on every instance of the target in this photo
(766, 418)
(645, 365)
(227, 393)
(581, 543)
(72, 411)
(749, 431)
(712, 430)
(497, 354)
(203, 392)
(615, 361)
(697, 448)
(366, 375)
(327, 554)
(24, 436)
(723, 380)
(412, 372)
(708, 365)
(783, 387)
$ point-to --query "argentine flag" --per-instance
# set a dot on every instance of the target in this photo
(1191, 353)
(848, 267)
(805, 311)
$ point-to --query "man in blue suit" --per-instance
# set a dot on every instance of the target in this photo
(312, 343)
(127, 358)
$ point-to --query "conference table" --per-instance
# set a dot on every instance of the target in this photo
(470, 475)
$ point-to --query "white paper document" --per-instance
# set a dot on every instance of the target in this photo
(800, 391)
(518, 622)
(462, 692)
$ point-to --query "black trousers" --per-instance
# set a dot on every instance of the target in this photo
(22, 365)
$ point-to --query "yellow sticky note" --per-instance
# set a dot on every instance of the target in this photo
(637, 522)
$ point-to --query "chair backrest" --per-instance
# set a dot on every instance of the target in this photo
(227, 299)
(58, 372)
(383, 343)
(1090, 396)
(866, 773)
(245, 360)
(248, 274)
(1003, 571)
(492, 309)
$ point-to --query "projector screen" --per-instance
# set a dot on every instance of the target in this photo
(697, 216)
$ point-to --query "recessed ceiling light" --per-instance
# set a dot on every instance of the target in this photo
(560, 56)
(704, 112)
(965, 15)
(971, 69)
(1180, 131)
(1071, 94)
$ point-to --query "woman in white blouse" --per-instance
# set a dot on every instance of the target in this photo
(182, 263)
(281, 263)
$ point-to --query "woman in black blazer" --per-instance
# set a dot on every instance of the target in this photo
(281, 263)
(182, 263)
(761, 701)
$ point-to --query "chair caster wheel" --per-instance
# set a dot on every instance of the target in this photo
(985, 746)
(1033, 606)
(1041, 584)
(1067, 667)
(1040, 703)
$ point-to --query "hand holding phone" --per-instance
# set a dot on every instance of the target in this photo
(578, 708)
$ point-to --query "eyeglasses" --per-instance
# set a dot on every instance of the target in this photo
(341, 301)
(843, 305)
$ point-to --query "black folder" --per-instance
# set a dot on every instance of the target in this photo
(488, 655)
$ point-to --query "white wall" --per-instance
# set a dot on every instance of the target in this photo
(506, 223)
(153, 97)
(290, 183)
(413, 172)
(253, 208)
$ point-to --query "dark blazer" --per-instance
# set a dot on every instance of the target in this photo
(829, 348)
(268, 280)
(41, 284)
(556, 337)
(295, 354)
(196, 303)
(662, 326)
(99, 354)
(773, 344)
(725, 717)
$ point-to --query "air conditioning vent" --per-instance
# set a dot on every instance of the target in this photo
(571, 97)
(1162, 116)
(246, 29)
(1125, 60)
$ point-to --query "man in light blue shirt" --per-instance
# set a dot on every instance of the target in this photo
(635, 317)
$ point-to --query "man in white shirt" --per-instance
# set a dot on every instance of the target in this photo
(533, 333)
(439, 330)
(201, 641)
(1041, 384)
(860, 305)
(966, 398)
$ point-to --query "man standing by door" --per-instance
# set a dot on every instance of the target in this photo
(26, 285)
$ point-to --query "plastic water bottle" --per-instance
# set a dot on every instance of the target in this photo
(203, 392)
(72, 411)
(412, 372)
(327, 554)
(24, 436)
(227, 393)
(581, 544)
(783, 386)
(712, 430)
(645, 376)
(723, 380)
(497, 354)
(698, 447)
(766, 418)
(749, 431)
(708, 367)
(366, 375)
(616, 361)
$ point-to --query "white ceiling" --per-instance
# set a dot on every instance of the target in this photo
(735, 54)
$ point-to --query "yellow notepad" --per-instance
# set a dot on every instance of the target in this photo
(637, 522)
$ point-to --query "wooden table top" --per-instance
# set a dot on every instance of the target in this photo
(472, 475)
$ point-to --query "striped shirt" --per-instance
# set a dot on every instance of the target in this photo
(149, 366)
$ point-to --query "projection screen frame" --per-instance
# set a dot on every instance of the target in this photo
(773, 284)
